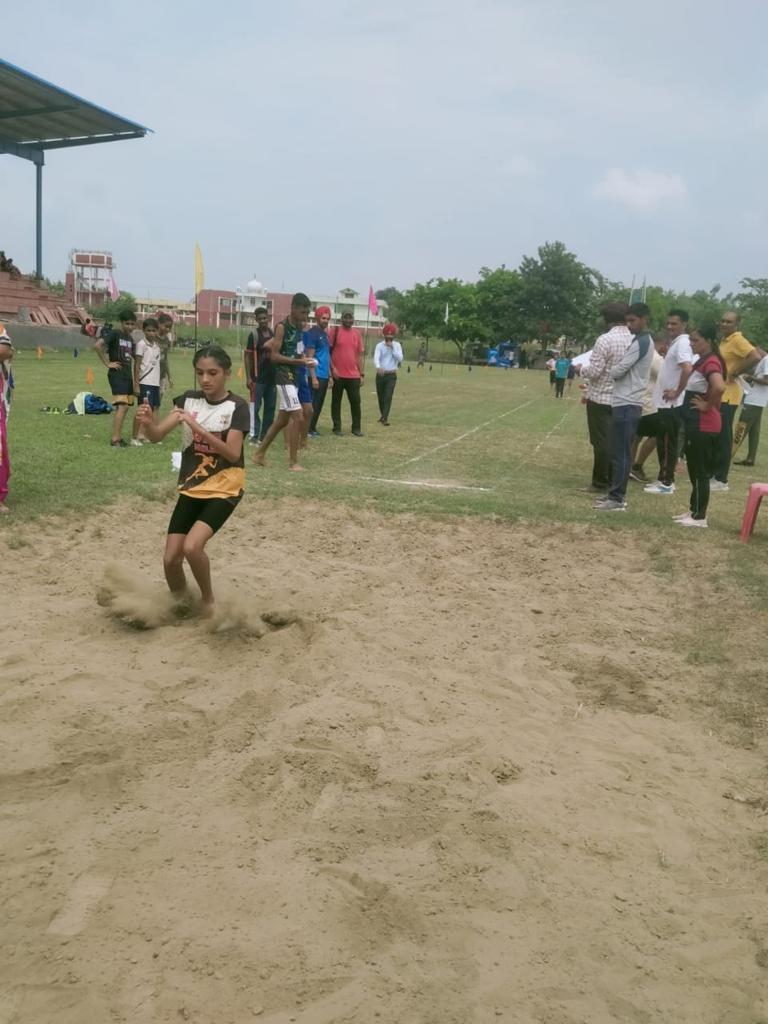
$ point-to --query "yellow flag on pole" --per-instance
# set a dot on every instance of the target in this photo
(199, 272)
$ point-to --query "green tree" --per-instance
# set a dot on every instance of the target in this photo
(55, 287)
(557, 294)
(498, 303)
(704, 305)
(424, 308)
(752, 304)
(110, 310)
(394, 300)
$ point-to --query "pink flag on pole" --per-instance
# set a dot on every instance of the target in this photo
(373, 305)
(114, 291)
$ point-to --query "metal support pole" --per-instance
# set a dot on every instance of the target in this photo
(39, 217)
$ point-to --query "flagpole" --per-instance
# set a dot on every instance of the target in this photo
(194, 374)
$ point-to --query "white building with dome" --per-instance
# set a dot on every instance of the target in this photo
(249, 299)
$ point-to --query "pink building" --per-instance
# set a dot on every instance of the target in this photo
(216, 308)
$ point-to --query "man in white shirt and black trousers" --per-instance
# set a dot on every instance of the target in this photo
(387, 357)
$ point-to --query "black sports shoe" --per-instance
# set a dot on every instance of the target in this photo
(358, 433)
(118, 444)
(338, 433)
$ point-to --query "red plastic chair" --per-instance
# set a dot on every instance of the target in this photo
(756, 494)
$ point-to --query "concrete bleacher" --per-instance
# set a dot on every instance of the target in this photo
(23, 300)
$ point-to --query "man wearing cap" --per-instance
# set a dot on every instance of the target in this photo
(348, 371)
(317, 346)
(387, 357)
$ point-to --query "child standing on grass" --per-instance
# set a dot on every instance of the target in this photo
(562, 366)
(164, 327)
(146, 374)
(214, 423)
(284, 351)
(116, 352)
(6, 386)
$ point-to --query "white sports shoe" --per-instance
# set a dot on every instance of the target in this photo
(682, 515)
(659, 488)
(690, 521)
(716, 486)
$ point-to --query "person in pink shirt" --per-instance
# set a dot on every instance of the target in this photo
(348, 372)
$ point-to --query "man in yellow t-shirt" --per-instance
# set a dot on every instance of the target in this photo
(739, 355)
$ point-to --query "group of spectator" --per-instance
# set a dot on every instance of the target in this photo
(136, 360)
(290, 370)
(7, 266)
(681, 391)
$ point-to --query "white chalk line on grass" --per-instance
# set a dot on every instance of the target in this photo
(551, 432)
(425, 483)
(474, 430)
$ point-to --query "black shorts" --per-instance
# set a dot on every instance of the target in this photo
(214, 512)
(650, 426)
(150, 392)
(122, 388)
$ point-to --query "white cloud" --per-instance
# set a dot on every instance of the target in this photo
(640, 190)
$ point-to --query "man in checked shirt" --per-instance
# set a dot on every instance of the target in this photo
(608, 350)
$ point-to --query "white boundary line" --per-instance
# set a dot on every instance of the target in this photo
(425, 483)
(461, 437)
(547, 436)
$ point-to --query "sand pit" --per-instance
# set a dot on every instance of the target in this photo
(431, 773)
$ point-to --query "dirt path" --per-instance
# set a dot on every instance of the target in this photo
(437, 773)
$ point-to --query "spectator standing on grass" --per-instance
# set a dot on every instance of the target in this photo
(387, 357)
(738, 355)
(260, 377)
(317, 346)
(755, 400)
(562, 366)
(116, 353)
(551, 364)
(146, 375)
(164, 327)
(608, 350)
(702, 421)
(648, 427)
(668, 398)
(630, 379)
(571, 374)
(6, 387)
(284, 352)
(348, 372)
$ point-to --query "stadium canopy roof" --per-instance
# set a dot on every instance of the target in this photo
(36, 115)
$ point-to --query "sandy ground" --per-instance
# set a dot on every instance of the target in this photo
(436, 773)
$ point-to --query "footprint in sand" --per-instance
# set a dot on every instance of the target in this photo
(83, 899)
(10, 1005)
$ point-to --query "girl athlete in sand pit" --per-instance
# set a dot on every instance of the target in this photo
(214, 423)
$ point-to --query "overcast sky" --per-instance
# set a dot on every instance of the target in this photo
(325, 144)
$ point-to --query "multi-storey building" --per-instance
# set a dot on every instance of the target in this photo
(89, 279)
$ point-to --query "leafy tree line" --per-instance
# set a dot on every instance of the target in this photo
(550, 296)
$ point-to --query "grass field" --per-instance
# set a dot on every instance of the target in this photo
(453, 748)
(487, 442)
